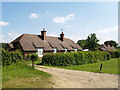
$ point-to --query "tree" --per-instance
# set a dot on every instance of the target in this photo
(4, 45)
(111, 42)
(82, 43)
(33, 57)
(92, 42)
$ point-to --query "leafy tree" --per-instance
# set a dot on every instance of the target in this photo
(33, 57)
(111, 42)
(92, 42)
(82, 43)
(3, 45)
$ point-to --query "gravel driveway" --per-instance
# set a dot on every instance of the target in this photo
(64, 78)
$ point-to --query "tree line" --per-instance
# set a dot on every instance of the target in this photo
(92, 44)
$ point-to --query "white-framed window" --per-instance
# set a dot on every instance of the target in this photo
(40, 52)
(75, 49)
(55, 50)
(65, 50)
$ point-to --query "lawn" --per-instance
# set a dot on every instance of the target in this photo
(110, 66)
(20, 75)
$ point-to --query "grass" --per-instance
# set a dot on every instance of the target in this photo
(20, 75)
(36, 62)
(110, 66)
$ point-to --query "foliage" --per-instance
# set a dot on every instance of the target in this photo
(33, 56)
(82, 43)
(28, 56)
(115, 54)
(74, 58)
(109, 66)
(10, 57)
(92, 42)
(4, 45)
(111, 42)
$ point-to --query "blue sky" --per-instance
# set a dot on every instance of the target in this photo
(77, 19)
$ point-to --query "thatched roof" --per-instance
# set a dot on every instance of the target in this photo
(30, 42)
(108, 47)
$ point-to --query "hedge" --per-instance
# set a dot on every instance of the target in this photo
(10, 57)
(74, 58)
(115, 54)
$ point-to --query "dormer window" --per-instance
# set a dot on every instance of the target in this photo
(54, 50)
(65, 50)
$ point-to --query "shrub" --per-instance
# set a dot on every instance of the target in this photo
(34, 57)
(16, 56)
(6, 59)
(10, 57)
(74, 58)
(115, 54)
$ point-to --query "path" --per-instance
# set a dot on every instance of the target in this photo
(64, 78)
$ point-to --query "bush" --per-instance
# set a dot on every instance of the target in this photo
(6, 58)
(74, 58)
(34, 57)
(10, 57)
(16, 56)
(115, 54)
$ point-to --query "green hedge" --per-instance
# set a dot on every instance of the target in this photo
(10, 57)
(74, 58)
(115, 54)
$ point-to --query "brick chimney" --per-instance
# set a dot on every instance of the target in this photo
(62, 36)
(43, 34)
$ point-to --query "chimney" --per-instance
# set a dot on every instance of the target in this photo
(62, 36)
(43, 34)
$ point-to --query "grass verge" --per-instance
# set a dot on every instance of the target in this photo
(20, 75)
(110, 66)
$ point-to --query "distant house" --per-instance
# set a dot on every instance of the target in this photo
(40, 44)
(107, 47)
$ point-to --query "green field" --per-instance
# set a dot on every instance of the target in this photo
(20, 75)
(110, 66)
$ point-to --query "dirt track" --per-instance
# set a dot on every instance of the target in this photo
(63, 78)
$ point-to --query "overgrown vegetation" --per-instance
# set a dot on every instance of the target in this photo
(21, 75)
(74, 58)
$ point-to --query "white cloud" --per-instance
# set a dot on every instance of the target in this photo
(2, 23)
(106, 30)
(2, 38)
(34, 15)
(107, 34)
(69, 26)
(70, 16)
(64, 19)
(13, 35)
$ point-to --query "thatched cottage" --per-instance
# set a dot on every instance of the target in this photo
(40, 44)
(107, 47)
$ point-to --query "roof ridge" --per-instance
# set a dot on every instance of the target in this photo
(18, 38)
